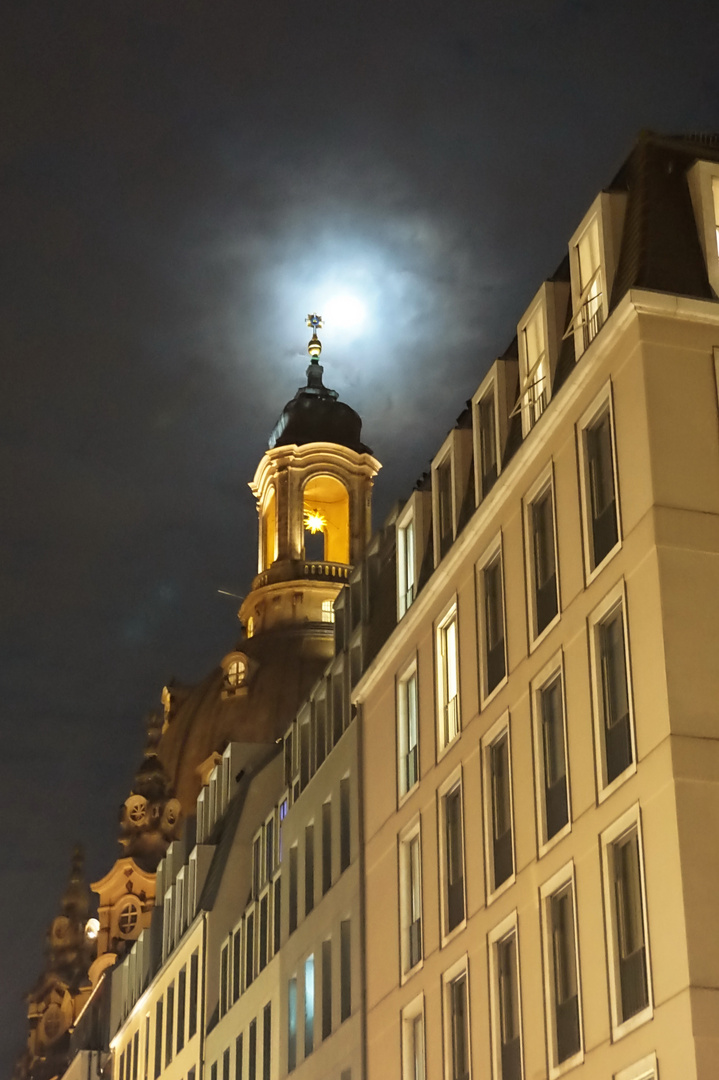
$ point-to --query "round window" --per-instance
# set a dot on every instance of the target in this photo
(127, 919)
(235, 674)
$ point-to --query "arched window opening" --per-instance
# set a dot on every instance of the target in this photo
(325, 509)
(269, 531)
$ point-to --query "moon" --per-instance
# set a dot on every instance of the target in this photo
(345, 312)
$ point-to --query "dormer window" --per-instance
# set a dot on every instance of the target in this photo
(592, 260)
(405, 566)
(443, 477)
(591, 306)
(540, 339)
(486, 415)
(451, 478)
(235, 669)
(536, 368)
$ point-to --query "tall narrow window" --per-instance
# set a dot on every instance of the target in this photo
(448, 679)
(135, 1053)
(345, 970)
(604, 532)
(276, 914)
(553, 761)
(194, 972)
(407, 732)
(459, 1027)
(236, 963)
(238, 1058)
(326, 988)
(309, 1005)
(590, 315)
(535, 381)
(293, 889)
(405, 567)
(158, 1039)
(264, 930)
(226, 1063)
(181, 996)
(292, 1025)
(614, 691)
(443, 477)
(344, 823)
(487, 443)
(415, 1033)
(454, 858)
(411, 900)
(267, 1041)
(249, 948)
(169, 1024)
(252, 1063)
(501, 796)
(224, 978)
(309, 867)
(146, 1062)
(495, 662)
(628, 916)
(508, 1001)
(544, 562)
(326, 847)
(565, 992)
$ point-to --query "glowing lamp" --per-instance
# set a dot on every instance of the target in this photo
(315, 521)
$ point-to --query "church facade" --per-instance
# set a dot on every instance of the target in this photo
(448, 810)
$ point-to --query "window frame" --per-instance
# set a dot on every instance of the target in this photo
(406, 562)
(500, 933)
(547, 892)
(545, 482)
(486, 392)
(490, 738)
(449, 615)
(458, 970)
(614, 599)
(701, 178)
(410, 1013)
(606, 214)
(603, 403)
(646, 1069)
(553, 669)
(453, 783)
(411, 834)
(494, 551)
(630, 821)
(408, 673)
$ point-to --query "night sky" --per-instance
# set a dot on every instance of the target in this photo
(182, 182)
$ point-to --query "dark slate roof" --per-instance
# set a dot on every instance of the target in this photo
(315, 414)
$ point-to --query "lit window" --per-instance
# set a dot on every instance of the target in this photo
(628, 954)
(590, 313)
(535, 368)
(448, 679)
(542, 560)
(561, 969)
(407, 732)
(309, 1005)
(599, 489)
(292, 1024)
(328, 611)
(506, 1001)
(452, 858)
(405, 567)
(613, 722)
(491, 600)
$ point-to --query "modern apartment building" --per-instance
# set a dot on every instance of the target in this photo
(539, 733)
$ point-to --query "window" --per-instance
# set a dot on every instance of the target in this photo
(535, 368)
(405, 567)
(158, 1039)
(593, 252)
(146, 1063)
(235, 674)
(629, 982)
(135, 1053)
(542, 568)
(266, 1041)
(169, 1024)
(505, 1000)
(345, 970)
(194, 965)
(410, 880)
(236, 963)
(328, 611)
(610, 663)
(213, 1071)
(413, 1048)
(448, 678)
(309, 1005)
(293, 888)
(326, 847)
(309, 867)
(453, 857)
(326, 988)
(264, 929)
(443, 504)
(181, 995)
(276, 914)
(252, 1063)
(238, 1058)
(249, 948)
(292, 1025)
(456, 1009)
(498, 805)
(491, 603)
(488, 455)
(589, 315)
(550, 741)
(646, 1069)
(407, 731)
(224, 979)
(561, 970)
(344, 823)
(226, 1063)
(599, 485)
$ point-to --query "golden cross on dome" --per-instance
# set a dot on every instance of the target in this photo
(314, 347)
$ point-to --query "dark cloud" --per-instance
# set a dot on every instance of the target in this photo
(182, 182)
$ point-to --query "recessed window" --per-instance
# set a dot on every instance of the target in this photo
(410, 883)
(498, 805)
(452, 855)
(506, 1000)
(309, 1004)
(328, 611)
(542, 559)
(599, 485)
(561, 970)
(448, 679)
(407, 731)
(406, 584)
(234, 673)
(492, 635)
(326, 988)
(443, 503)
(488, 449)
(627, 945)
(292, 1024)
(413, 1041)
(535, 367)
(550, 740)
(589, 315)
(456, 1002)
(610, 662)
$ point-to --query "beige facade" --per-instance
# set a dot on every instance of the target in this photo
(539, 821)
